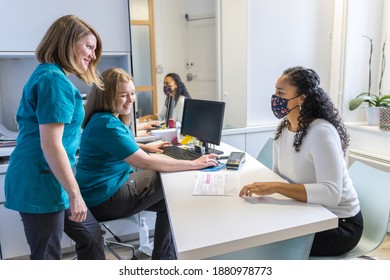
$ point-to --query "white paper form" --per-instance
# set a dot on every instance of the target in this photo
(208, 183)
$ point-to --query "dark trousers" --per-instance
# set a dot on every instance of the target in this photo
(44, 234)
(340, 240)
(142, 191)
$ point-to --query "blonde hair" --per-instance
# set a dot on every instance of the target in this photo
(58, 46)
(104, 100)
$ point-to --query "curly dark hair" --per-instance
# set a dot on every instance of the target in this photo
(181, 87)
(316, 105)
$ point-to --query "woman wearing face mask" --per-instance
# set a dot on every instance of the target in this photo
(176, 89)
(309, 147)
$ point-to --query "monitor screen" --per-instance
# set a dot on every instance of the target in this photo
(203, 119)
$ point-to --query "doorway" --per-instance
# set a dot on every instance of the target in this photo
(201, 60)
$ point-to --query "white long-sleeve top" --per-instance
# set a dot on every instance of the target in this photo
(319, 166)
(177, 112)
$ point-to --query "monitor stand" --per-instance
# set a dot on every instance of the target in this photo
(210, 150)
(204, 149)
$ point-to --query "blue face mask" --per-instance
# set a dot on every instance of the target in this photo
(279, 106)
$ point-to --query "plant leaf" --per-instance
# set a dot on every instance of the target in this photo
(384, 99)
(354, 103)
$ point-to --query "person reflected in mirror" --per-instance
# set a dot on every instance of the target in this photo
(39, 182)
(308, 152)
(149, 125)
(108, 153)
(173, 86)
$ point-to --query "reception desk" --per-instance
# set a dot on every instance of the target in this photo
(232, 227)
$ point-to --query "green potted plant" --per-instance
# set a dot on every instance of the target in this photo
(371, 99)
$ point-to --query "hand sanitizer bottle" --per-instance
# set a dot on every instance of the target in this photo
(143, 233)
(178, 131)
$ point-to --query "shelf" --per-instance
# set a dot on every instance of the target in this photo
(362, 126)
(369, 139)
(6, 151)
(16, 55)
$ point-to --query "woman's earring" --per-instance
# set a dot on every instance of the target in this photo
(300, 107)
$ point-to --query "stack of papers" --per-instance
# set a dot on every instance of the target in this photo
(217, 184)
(7, 137)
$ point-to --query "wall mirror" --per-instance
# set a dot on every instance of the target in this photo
(173, 36)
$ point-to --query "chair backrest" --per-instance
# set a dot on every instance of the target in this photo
(373, 188)
(265, 155)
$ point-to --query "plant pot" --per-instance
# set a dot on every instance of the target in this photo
(384, 118)
(372, 115)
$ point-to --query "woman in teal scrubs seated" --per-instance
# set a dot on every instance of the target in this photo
(40, 183)
(108, 151)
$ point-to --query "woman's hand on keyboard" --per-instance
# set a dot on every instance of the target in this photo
(154, 147)
(206, 161)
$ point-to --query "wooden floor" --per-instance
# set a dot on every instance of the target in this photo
(381, 253)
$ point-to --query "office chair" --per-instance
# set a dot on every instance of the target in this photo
(372, 187)
(265, 155)
(109, 243)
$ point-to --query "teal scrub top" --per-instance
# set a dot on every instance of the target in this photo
(48, 97)
(101, 171)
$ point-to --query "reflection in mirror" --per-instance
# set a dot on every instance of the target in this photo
(141, 55)
(142, 68)
(141, 30)
(144, 103)
(186, 38)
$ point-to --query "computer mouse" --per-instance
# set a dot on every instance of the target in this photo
(215, 168)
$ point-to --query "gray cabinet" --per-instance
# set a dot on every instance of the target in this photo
(23, 23)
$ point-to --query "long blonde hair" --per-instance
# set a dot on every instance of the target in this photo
(58, 46)
(104, 100)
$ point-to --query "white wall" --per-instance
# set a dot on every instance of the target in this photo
(233, 18)
(282, 34)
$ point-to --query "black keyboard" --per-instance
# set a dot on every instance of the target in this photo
(179, 153)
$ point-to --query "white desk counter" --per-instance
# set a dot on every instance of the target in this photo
(215, 226)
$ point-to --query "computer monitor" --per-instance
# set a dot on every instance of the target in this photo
(203, 119)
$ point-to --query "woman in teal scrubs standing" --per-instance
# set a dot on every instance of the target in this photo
(40, 183)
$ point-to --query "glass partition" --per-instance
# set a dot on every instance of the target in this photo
(142, 67)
